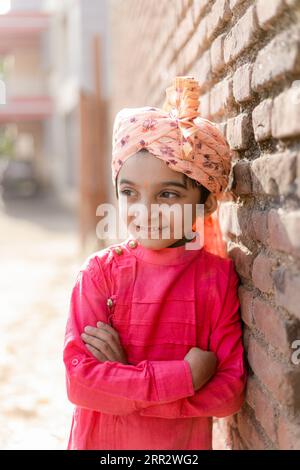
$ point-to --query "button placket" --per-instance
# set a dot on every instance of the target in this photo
(132, 244)
(124, 290)
(110, 302)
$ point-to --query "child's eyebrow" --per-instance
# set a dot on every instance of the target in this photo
(174, 183)
(162, 183)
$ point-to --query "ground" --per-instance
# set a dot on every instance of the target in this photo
(39, 257)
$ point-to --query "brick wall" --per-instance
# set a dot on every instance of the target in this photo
(246, 55)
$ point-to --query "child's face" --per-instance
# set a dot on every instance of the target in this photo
(145, 180)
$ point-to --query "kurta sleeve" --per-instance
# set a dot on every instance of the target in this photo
(112, 387)
(224, 393)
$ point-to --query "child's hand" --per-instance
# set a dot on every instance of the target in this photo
(104, 343)
(203, 365)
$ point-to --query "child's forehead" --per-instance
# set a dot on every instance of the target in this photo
(148, 167)
(152, 172)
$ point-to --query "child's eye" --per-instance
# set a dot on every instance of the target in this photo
(169, 192)
(125, 191)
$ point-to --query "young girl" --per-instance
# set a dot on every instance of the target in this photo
(153, 345)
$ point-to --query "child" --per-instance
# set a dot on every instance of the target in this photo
(168, 353)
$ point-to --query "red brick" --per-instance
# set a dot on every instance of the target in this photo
(261, 120)
(281, 380)
(222, 127)
(279, 57)
(191, 50)
(204, 69)
(276, 330)
(274, 174)
(260, 230)
(217, 53)
(242, 83)
(235, 3)
(298, 176)
(228, 219)
(287, 289)
(264, 408)
(243, 260)
(184, 30)
(205, 105)
(286, 113)
(261, 273)
(288, 434)
(250, 433)
(284, 230)
(221, 97)
(268, 11)
(239, 131)
(242, 178)
(246, 298)
(241, 36)
(198, 7)
(218, 17)
(237, 442)
(292, 3)
(202, 33)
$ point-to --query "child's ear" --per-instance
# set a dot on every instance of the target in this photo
(210, 205)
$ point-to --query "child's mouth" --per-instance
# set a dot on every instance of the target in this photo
(150, 230)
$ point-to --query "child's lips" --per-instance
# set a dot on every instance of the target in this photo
(150, 230)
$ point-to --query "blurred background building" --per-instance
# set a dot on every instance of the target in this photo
(53, 137)
(54, 149)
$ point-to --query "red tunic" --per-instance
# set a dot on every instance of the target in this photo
(163, 303)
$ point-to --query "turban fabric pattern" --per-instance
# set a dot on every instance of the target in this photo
(188, 143)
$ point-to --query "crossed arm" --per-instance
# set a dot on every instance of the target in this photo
(153, 388)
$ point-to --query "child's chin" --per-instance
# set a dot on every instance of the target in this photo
(155, 244)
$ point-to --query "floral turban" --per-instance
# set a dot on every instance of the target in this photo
(178, 135)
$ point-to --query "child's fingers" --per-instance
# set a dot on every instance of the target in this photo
(101, 345)
(98, 355)
(109, 329)
(106, 336)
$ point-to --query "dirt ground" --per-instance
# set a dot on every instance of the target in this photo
(39, 258)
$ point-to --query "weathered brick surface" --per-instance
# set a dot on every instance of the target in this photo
(263, 407)
(246, 55)
(284, 230)
(268, 11)
(278, 58)
(239, 131)
(286, 114)
(279, 378)
(242, 83)
(261, 120)
(270, 322)
(261, 273)
(221, 97)
(274, 175)
(241, 35)
(217, 53)
(287, 289)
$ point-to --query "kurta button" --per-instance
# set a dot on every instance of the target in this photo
(109, 303)
(132, 244)
(118, 250)
(75, 362)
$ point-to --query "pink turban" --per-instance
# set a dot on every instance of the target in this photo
(178, 135)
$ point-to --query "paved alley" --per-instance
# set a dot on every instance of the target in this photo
(39, 259)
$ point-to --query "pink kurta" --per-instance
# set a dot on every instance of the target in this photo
(163, 303)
